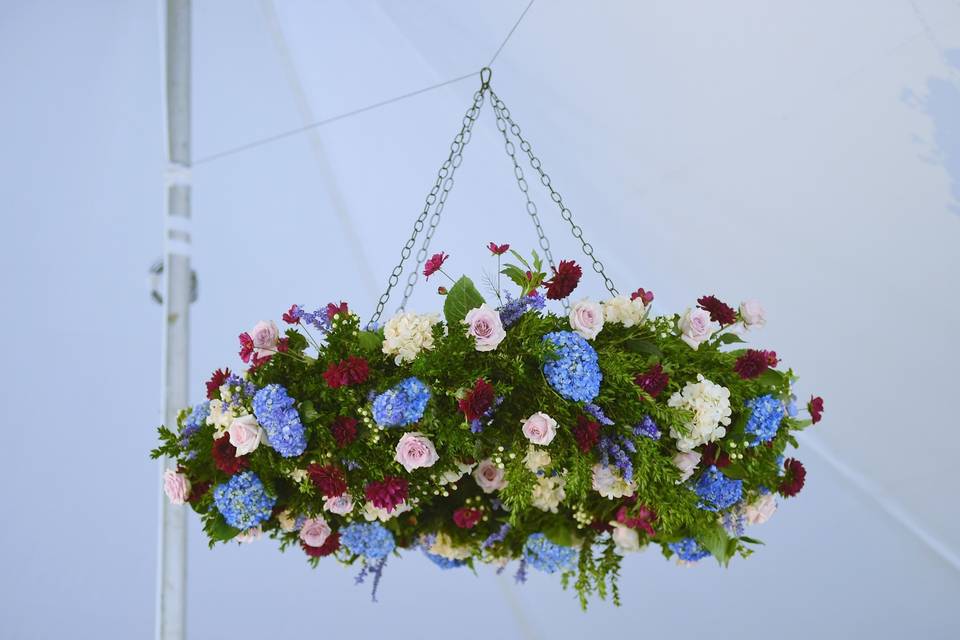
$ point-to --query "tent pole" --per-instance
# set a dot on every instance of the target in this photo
(172, 572)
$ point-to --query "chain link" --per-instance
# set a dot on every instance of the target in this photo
(554, 195)
(442, 187)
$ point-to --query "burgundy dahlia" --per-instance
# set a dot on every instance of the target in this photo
(714, 455)
(216, 381)
(344, 430)
(653, 381)
(642, 518)
(434, 264)
(815, 407)
(719, 311)
(331, 544)
(565, 279)
(329, 479)
(353, 370)
(225, 456)
(466, 517)
(498, 249)
(478, 400)
(586, 433)
(198, 490)
(793, 481)
(753, 363)
(643, 294)
(388, 493)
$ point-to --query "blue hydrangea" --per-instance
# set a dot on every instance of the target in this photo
(274, 410)
(514, 308)
(243, 501)
(371, 540)
(647, 428)
(402, 404)
(717, 490)
(688, 550)
(546, 556)
(575, 374)
(766, 412)
(193, 422)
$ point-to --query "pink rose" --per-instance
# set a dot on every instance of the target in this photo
(176, 486)
(686, 462)
(752, 314)
(483, 323)
(340, 505)
(245, 434)
(586, 318)
(489, 476)
(540, 428)
(315, 532)
(696, 327)
(760, 510)
(265, 336)
(415, 451)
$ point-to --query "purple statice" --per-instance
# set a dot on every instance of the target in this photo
(547, 556)
(319, 319)
(374, 568)
(350, 464)
(688, 550)
(520, 576)
(717, 491)
(616, 449)
(511, 311)
(647, 428)
(598, 414)
(477, 424)
(239, 389)
(192, 423)
(733, 522)
(495, 537)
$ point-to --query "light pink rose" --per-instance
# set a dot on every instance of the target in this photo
(489, 476)
(483, 323)
(245, 434)
(340, 505)
(315, 532)
(415, 451)
(696, 327)
(176, 486)
(753, 314)
(586, 318)
(265, 336)
(540, 428)
(686, 462)
(760, 510)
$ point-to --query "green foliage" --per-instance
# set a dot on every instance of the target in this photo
(462, 297)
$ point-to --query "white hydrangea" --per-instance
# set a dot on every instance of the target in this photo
(710, 404)
(371, 513)
(623, 310)
(536, 459)
(407, 334)
(549, 493)
(221, 416)
(443, 546)
(449, 477)
(608, 482)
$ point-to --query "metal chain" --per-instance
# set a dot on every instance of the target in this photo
(499, 109)
(445, 182)
(554, 195)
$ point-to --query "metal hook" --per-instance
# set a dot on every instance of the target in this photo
(485, 74)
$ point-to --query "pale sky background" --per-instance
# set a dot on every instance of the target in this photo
(806, 154)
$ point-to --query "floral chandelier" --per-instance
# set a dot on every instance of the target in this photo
(505, 432)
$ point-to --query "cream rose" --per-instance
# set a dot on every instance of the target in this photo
(540, 428)
(483, 324)
(626, 539)
(489, 476)
(586, 318)
(245, 434)
(753, 314)
(415, 451)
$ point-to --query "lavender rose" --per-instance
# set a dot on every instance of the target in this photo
(489, 476)
(753, 314)
(586, 318)
(265, 336)
(540, 428)
(176, 486)
(483, 323)
(315, 532)
(415, 451)
(696, 327)
(245, 434)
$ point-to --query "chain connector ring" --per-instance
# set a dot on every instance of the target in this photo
(485, 75)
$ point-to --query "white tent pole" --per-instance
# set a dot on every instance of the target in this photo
(172, 567)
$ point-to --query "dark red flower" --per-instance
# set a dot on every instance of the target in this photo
(344, 430)
(815, 407)
(258, 361)
(719, 311)
(331, 544)
(246, 346)
(478, 400)
(293, 314)
(198, 490)
(283, 344)
(216, 381)
(388, 493)
(498, 249)
(653, 381)
(334, 309)
(225, 456)
(329, 479)
(434, 264)
(793, 481)
(753, 363)
(642, 518)
(353, 370)
(643, 294)
(565, 279)
(714, 455)
(466, 517)
(586, 433)
(442, 290)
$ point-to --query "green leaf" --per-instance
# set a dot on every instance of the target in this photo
(716, 541)
(729, 338)
(638, 345)
(308, 412)
(218, 530)
(749, 540)
(370, 340)
(521, 259)
(517, 275)
(771, 377)
(463, 297)
(558, 533)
